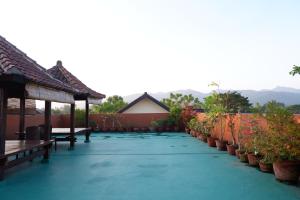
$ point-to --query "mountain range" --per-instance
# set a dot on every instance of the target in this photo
(286, 95)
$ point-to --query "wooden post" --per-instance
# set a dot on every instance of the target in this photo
(3, 113)
(87, 124)
(22, 119)
(72, 126)
(47, 130)
(47, 120)
(87, 109)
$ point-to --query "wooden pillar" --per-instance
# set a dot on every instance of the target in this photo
(3, 113)
(87, 112)
(87, 122)
(72, 125)
(48, 127)
(47, 120)
(22, 119)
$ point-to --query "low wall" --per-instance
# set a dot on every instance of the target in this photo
(243, 124)
(63, 121)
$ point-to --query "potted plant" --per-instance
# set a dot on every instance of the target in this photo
(284, 141)
(220, 142)
(153, 126)
(93, 125)
(231, 147)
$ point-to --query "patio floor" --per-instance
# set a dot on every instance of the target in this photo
(168, 166)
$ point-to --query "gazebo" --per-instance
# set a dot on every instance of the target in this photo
(21, 77)
(84, 93)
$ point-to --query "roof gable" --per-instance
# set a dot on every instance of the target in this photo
(62, 74)
(144, 96)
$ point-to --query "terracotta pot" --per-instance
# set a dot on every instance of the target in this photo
(144, 129)
(202, 138)
(231, 149)
(287, 170)
(136, 129)
(268, 168)
(176, 128)
(252, 159)
(168, 129)
(187, 130)
(237, 153)
(211, 141)
(243, 157)
(221, 145)
(104, 129)
(120, 129)
(160, 129)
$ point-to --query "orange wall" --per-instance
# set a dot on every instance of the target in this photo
(240, 120)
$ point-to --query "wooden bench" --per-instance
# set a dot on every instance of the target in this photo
(19, 151)
(64, 134)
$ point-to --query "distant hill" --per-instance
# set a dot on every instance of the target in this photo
(286, 95)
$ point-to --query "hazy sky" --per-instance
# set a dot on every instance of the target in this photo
(124, 47)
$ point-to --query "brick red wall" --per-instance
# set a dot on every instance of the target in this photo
(63, 121)
(30, 120)
(130, 120)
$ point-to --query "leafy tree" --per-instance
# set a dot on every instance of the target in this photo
(295, 109)
(230, 102)
(111, 105)
(182, 101)
(79, 117)
(295, 70)
(234, 102)
(61, 111)
(176, 103)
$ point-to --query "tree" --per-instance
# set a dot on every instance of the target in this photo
(295, 70)
(295, 109)
(111, 105)
(62, 110)
(177, 103)
(182, 101)
(231, 102)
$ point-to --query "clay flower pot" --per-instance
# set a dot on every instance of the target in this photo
(187, 130)
(211, 141)
(231, 149)
(221, 145)
(252, 159)
(168, 129)
(287, 170)
(267, 168)
(176, 129)
(243, 157)
(202, 138)
(104, 129)
(237, 153)
(136, 129)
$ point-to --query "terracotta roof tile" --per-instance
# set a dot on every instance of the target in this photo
(62, 74)
(14, 61)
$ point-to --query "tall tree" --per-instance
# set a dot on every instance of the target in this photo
(111, 105)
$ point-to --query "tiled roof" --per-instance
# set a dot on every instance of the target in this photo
(15, 62)
(62, 74)
(144, 96)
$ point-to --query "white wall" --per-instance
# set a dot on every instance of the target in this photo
(145, 106)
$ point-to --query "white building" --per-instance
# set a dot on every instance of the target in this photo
(145, 104)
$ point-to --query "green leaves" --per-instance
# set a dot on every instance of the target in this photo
(111, 105)
(295, 70)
